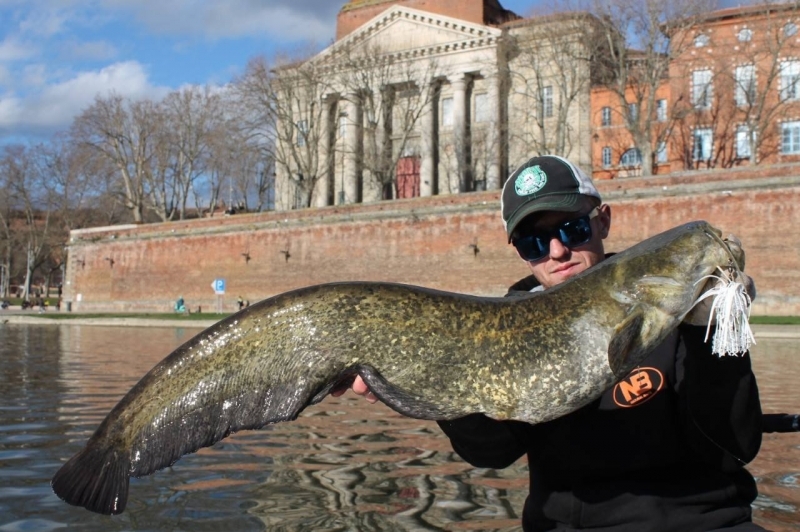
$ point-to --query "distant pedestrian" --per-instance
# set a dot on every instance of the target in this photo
(240, 302)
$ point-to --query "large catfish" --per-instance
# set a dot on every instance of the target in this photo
(427, 354)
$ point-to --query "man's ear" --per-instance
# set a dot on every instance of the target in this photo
(604, 220)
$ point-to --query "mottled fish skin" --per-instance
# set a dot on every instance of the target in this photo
(428, 354)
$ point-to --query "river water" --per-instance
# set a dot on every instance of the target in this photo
(343, 465)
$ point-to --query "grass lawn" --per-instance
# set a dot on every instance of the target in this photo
(174, 316)
(775, 320)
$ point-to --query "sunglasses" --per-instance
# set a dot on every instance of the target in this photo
(572, 233)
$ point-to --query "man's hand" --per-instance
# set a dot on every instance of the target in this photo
(359, 388)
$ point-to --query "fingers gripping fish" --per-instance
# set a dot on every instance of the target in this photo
(427, 354)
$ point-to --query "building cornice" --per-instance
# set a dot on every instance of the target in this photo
(475, 36)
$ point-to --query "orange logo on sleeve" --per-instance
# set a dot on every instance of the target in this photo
(641, 385)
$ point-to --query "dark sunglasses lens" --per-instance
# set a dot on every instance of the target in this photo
(572, 234)
(576, 233)
(530, 248)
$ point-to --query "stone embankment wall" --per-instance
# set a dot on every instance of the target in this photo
(453, 243)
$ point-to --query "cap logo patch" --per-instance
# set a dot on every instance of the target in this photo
(530, 181)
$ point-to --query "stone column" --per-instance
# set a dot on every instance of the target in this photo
(458, 83)
(494, 132)
(352, 118)
(322, 186)
(373, 136)
(282, 184)
(428, 143)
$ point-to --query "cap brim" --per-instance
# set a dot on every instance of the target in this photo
(556, 202)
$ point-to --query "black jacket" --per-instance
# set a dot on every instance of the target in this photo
(663, 450)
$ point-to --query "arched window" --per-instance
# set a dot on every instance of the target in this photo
(632, 157)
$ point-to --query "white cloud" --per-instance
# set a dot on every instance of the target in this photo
(12, 49)
(55, 106)
(34, 75)
(43, 23)
(294, 20)
(88, 50)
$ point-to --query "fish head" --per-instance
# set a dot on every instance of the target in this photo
(670, 271)
(659, 281)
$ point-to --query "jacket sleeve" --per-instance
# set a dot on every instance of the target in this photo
(719, 402)
(485, 442)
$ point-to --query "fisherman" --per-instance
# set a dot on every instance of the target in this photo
(662, 450)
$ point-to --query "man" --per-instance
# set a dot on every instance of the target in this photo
(663, 450)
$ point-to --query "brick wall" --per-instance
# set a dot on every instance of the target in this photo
(356, 14)
(424, 241)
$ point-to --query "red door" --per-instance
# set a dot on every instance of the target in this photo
(408, 177)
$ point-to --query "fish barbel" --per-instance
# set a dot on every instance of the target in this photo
(427, 354)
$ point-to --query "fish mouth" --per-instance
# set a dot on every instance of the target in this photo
(735, 262)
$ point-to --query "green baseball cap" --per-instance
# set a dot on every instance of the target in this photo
(544, 183)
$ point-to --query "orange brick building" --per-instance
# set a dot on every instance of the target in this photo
(731, 98)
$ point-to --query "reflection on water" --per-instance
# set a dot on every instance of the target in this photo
(343, 465)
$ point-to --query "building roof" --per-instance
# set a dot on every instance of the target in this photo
(494, 14)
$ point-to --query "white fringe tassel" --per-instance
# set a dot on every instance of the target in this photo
(731, 308)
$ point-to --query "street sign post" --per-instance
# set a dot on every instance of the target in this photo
(219, 289)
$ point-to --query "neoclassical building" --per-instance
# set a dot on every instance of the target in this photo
(427, 97)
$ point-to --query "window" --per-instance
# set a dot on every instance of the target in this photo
(743, 141)
(302, 132)
(790, 138)
(661, 153)
(745, 90)
(299, 193)
(701, 40)
(606, 157)
(342, 125)
(482, 107)
(661, 110)
(745, 35)
(702, 90)
(633, 111)
(790, 29)
(702, 143)
(632, 157)
(790, 80)
(605, 116)
(547, 101)
(447, 112)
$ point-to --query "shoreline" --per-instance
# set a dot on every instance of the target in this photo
(760, 331)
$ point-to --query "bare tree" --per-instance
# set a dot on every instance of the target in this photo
(753, 86)
(31, 204)
(122, 133)
(192, 116)
(392, 95)
(552, 66)
(288, 115)
(644, 37)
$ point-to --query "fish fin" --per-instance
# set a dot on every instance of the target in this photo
(624, 342)
(95, 478)
(400, 400)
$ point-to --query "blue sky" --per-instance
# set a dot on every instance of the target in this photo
(57, 55)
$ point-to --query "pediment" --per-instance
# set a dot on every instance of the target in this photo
(403, 30)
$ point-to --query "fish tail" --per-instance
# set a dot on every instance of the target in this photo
(97, 478)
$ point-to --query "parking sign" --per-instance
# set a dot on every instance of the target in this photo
(219, 286)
